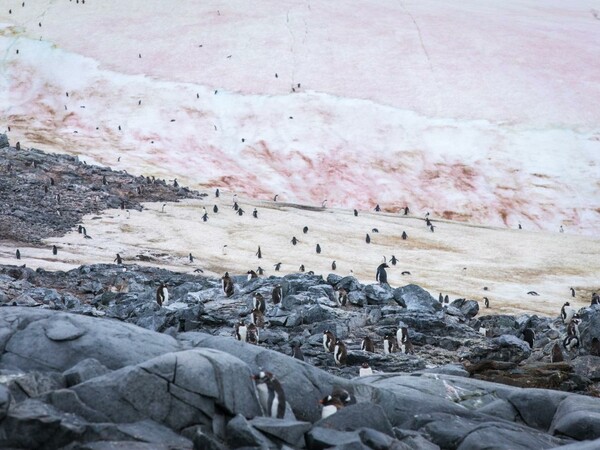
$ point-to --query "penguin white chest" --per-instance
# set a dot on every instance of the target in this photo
(263, 396)
(325, 341)
(243, 332)
(165, 297)
(387, 347)
(363, 372)
(328, 410)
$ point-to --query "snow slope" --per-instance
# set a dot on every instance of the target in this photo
(479, 111)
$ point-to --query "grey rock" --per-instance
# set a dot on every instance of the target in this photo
(578, 417)
(241, 434)
(5, 399)
(84, 370)
(587, 366)
(501, 409)
(417, 299)
(349, 283)
(468, 308)
(413, 440)
(205, 441)
(3, 140)
(359, 415)
(536, 406)
(33, 384)
(321, 438)
(288, 431)
(504, 348)
(378, 294)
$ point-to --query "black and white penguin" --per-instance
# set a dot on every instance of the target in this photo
(374, 230)
(355, 213)
(341, 296)
(404, 342)
(328, 341)
(297, 352)
(368, 239)
(441, 298)
(54, 250)
(294, 240)
(365, 370)
(241, 331)
(118, 259)
(331, 405)
(18, 254)
(393, 260)
(255, 213)
(260, 270)
(404, 235)
(275, 198)
(191, 258)
(240, 212)
(251, 274)
(318, 248)
(388, 344)
(529, 336)
(340, 354)
(567, 312)
(406, 210)
(486, 302)
(333, 266)
(258, 302)
(252, 335)
(595, 347)
(377, 208)
(572, 292)
(277, 266)
(205, 217)
(535, 294)
(305, 230)
(259, 253)
(257, 318)
(301, 268)
(277, 294)
(573, 338)
(270, 394)
(595, 299)
(381, 274)
(227, 285)
(446, 299)
(162, 295)
(104, 182)
(367, 345)
(427, 222)
(324, 203)
(557, 354)
(235, 206)
(432, 228)
(217, 192)
(215, 209)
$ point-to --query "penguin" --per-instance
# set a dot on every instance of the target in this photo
(432, 228)
(567, 313)
(374, 230)
(318, 248)
(355, 213)
(294, 240)
(175, 183)
(241, 331)
(251, 275)
(215, 209)
(405, 272)
(227, 285)
(257, 318)
(259, 253)
(277, 294)
(275, 198)
(18, 145)
(240, 212)
(557, 354)
(252, 334)
(270, 394)
(54, 250)
(365, 370)
(297, 352)
(404, 236)
(368, 239)
(595, 347)
(572, 292)
(388, 344)
(341, 296)
(331, 405)
(520, 227)
(377, 208)
(333, 266)
(340, 354)
(217, 192)
(406, 210)
(18, 254)
(118, 259)
(381, 274)
(367, 345)
(404, 342)
(224, 249)
(260, 270)
(191, 258)
(301, 268)
(255, 213)
(305, 230)
(573, 338)
(486, 302)
(446, 299)
(535, 294)
(441, 298)
(529, 336)
(428, 222)
(235, 206)
(328, 341)
(277, 267)
(104, 182)
(595, 299)
(324, 203)
(393, 260)
(162, 295)
(258, 302)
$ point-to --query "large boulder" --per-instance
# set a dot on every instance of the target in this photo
(468, 308)
(417, 299)
(577, 417)
(504, 348)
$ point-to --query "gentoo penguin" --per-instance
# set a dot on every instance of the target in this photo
(252, 334)
(446, 299)
(441, 298)
(557, 354)
(388, 344)
(251, 274)
(333, 266)
(328, 341)
(257, 318)
(340, 354)
(305, 230)
(567, 313)
(381, 274)
(205, 217)
(404, 235)
(275, 198)
(297, 352)
(323, 203)
(270, 394)
(241, 331)
(428, 222)
(432, 228)
(255, 213)
(367, 345)
(341, 296)
(406, 210)
(331, 405)
(240, 212)
(258, 302)
(118, 259)
(277, 294)
(595, 299)
(18, 254)
(368, 239)
(572, 292)
(215, 209)
(365, 370)
(259, 253)
(535, 294)
(405, 272)
(217, 193)
(374, 230)
(561, 229)
(104, 182)
(224, 249)
(595, 347)
(227, 285)
(277, 267)
(18, 145)
(54, 250)
(294, 240)
(393, 260)
(520, 227)
(573, 338)
(162, 295)
(529, 336)
(355, 213)
(191, 257)
(318, 248)
(301, 268)
(235, 206)
(377, 208)
(486, 302)
(260, 270)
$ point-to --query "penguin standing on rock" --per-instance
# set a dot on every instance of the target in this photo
(393, 260)
(340, 354)
(54, 250)
(277, 295)
(595, 299)
(388, 344)
(329, 341)
(259, 253)
(331, 405)
(573, 338)
(251, 275)
(441, 298)
(162, 295)
(365, 370)
(258, 302)
(486, 302)
(381, 274)
(18, 254)
(529, 336)
(367, 345)
(567, 313)
(257, 318)
(241, 331)
(270, 394)
(297, 352)
(341, 296)
(227, 285)
(252, 334)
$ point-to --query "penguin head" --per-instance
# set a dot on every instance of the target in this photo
(365, 365)
(262, 377)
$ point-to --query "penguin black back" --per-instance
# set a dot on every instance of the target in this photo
(529, 336)
(381, 274)
(318, 248)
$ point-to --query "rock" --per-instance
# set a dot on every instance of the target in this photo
(503, 348)
(63, 329)
(289, 431)
(321, 438)
(3, 140)
(204, 441)
(34, 384)
(417, 299)
(501, 409)
(241, 434)
(587, 366)
(536, 406)
(5, 399)
(578, 417)
(589, 326)
(349, 283)
(378, 294)
(84, 370)
(448, 369)
(505, 437)
(359, 415)
(380, 441)
(413, 440)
